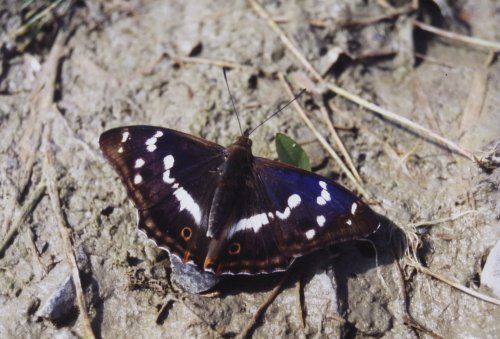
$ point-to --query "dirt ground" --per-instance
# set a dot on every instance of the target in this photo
(96, 65)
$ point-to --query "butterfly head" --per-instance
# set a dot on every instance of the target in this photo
(243, 141)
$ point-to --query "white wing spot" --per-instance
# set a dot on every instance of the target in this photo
(284, 215)
(310, 234)
(294, 200)
(349, 222)
(120, 150)
(158, 134)
(151, 148)
(254, 222)
(320, 220)
(270, 215)
(168, 162)
(167, 179)
(137, 179)
(187, 203)
(151, 141)
(326, 195)
(354, 206)
(125, 136)
(175, 186)
(139, 163)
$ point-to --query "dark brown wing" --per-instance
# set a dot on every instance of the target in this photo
(171, 178)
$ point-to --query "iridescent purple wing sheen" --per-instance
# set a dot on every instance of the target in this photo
(284, 213)
(308, 211)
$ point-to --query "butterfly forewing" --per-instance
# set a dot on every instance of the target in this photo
(170, 177)
(309, 211)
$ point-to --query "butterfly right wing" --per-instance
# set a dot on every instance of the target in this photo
(171, 178)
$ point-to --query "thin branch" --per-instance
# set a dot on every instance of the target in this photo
(458, 286)
(263, 307)
(439, 221)
(286, 41)
(322, 140)
(64, 232)
(205, 61)
(364, 21)
(300, 307)
(494, 46)
(407, 123)
(339, 142)
(26, 210)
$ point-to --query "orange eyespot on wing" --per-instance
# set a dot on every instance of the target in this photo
(186, 233)
(234, 248)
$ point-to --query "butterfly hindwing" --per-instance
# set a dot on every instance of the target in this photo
(170, 177)
(250, 245)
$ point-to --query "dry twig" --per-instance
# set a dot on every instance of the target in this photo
(408, 318)
(299, 305)
(64, 231)
(41, 102)
(205, 61)
(387, 114)
(490, 45)
(448, 281)
(25, 211)
(321, 139)
(391, 14)
(438, 221)
(339, 142)
(263, 307)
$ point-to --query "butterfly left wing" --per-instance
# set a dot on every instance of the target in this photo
(170, 177)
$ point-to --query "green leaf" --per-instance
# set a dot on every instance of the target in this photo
(290, 152)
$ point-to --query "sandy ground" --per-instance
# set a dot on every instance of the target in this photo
(117, 64)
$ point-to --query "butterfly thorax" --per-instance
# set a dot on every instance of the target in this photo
(235, 178)
(238, 164)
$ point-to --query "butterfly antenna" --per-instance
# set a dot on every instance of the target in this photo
(298, 95)
(232, 100)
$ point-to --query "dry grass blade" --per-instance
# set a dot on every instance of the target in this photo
(391, 14)
(299, 306)
(263, 307)
(340, 144)
(458, 286)
(51, 178)
(322, 140)
(494, 46)
(205, 61)
(39, 16)
(286, 41)
(475, 100)
(439, 221)
(407, 123)
(25, 211)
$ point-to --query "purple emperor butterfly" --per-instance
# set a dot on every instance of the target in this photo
(225, 210)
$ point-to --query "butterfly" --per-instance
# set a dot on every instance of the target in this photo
(225, 210)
